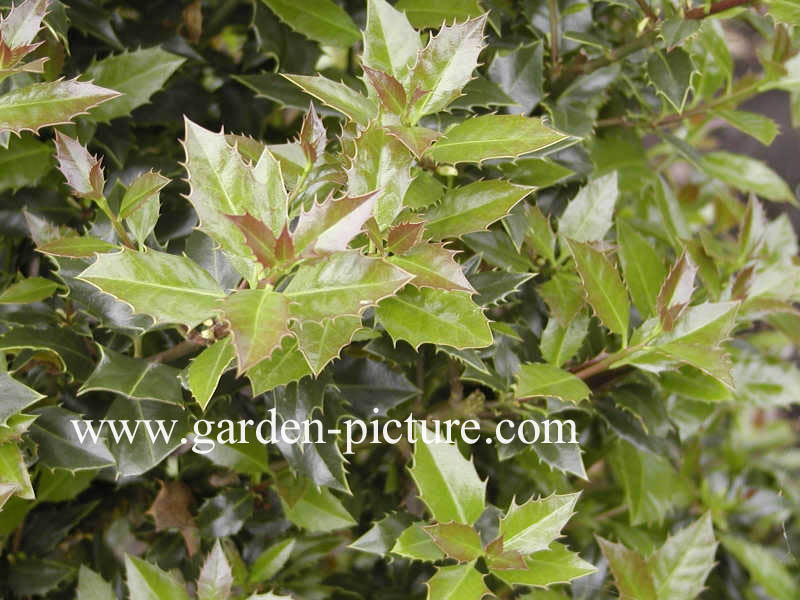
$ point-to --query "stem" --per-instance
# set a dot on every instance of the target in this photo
(699, 12)
(301, 185)
(118, 228)
(554, 37)
(137, 346)
(636, 44)
(187, 346)
(647, 10)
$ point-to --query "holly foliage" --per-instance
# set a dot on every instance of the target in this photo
(506, 211)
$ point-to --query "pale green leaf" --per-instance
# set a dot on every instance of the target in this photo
(390, 43)
(785, 11)
(287, 364)
(415, 544)
(323, 21)
(146, 186)
(681, 565)
(433, 265)
(50, 103)
(559, 343)
(435, 316)
(169, 288)
(534, 525)
(19, 27)
(477, 139)
(13, 471)
(547, 567)
(331, 225)
(320, 343)
(473, 207)
(148, 582)
(764, 567)
(216, 579)
(258, 320)
(91, 586)
(337, 95)
(761, 127)
(747, 174)
(543, 380)
(75, 246)
(204, 372)
(589, 215)
(24, 162)
(311, 508)
(459, 582)
(447, 482)
(30, 289)
(643, 269)
(136, 75)
(271, 561)
(423, 14)
(563, 295)
(630, 570)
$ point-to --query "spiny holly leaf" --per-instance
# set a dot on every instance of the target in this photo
(20, 26)
(92, 586)
(603, 288)
(764, 567)
(671, 75)
(445, 65)
(286, 365)
(216, 579)
(389, 90)
(630, 570)
(143, 189)
(134, 378)
(548, 567)
(169, 288)
(390, 43)
(533, 526)
(60, 446)
(435, 316)
(75, 246)
(338, 96)
(447, 482)
(416, 544)
(30, 289)
(320, 343)
(563, 295)
(433, 265)
(332, 224)
(136, 75)
(271, 561)
(146, 581)
(404, 237)
(52, 103)
(258, 321)
(204, 372)
(493, 136)
(740, 171)
(311, 508)
(681, 565)
(65, 346)
(381, 165)
(456, 540)
(83, 172)
(473, 207)
(313, 137)
(269, 250)
(643, 269)
(500, 559)
(520, 74)
(321, 20)
(676, 292)
(558, 343)
(13, 471)
(587, 217)
(345, 283)
(543, 380)
(416, 139)
(459, 582)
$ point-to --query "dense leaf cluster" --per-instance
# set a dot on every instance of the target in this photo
(476, 209)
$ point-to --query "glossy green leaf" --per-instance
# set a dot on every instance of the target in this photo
(493, 136)
(204, 372)
(258, 322)
(459, 582)
(587, 217)
(542, 380)
(136, 75)
(271, 561)
(287, 364)
(52, 103)
(676, 292)
(14, 396)
(447, 482)
(445, 65)
(345, 283)
(226, 513)
(671, 75)
(426, 14)
(338, 96)
(560, 343)
(642, 267)
(60, 446)
(534, 525)
(681, 565)
(548, 567)
(331, 225)
(473, 207)
(538, 172)
(390, 43)
(30, 289)
(747, 174)
(433, 265)
(383, 534)
(415, 544)
(143, 189)
(311, 508)
(381, 165)
(169, 288)
(416, 139)
(323, 21)
(764, 567)
(24, 162)
(148, 582)
(494, 286)
(497, 248)
(761, 127)
(216, 578)
(66, 346)
(83, 246)
(321, 342)
(134, 378)
(564, 296)
(456, 540)
(91, 586)
(520, 74)
(631, 574)
(435, 316)
(13, 471)
(603, 288)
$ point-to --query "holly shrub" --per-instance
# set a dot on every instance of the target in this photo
(510, 213)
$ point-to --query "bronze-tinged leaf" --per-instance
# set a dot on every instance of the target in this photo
(389, 90)
(676, 292)
(404, 237)
(268, 250)
(416, 139)
(81, 170)
(170, 510)
(433, 265)
(331, 225)
(313, 137)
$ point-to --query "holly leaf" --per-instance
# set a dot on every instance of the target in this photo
(50, 103)
(134, 378)
(547, 567)
(30, 289)
(404, 237)
(416, 544)
(630, 570)
(459, 582)
(488, 137)
(435, 316)
(92, 586)
(390, 91)
(676, 292)
(456, 540)
(338, 96)
(170, 510)
(145, 188)
(542, 380)
(136, 75)
(533, 526)
(311, 508)
(169, 288)
(331, 225)
(258, 321)
(447, 482)
(20, 26)
(146, 581)
(433, 265)
(559, 343)
(75, 246)
(14, 396)
(271, 561)
(321, 342)
(83, 172)
(216, 578)
(286, 365)
(643, 269)
(520, 74)
(671, 75)
(741, 172)
(205, 370)
(473, 207)
(424, 14)
(13, 471)
(765, 569)
(587, 217)
(65, 345)
(345, 283)
(323, 21)
(268, 249)
(445, 65)
(563, 295)
(60, 445)
(390, 43)
(416, 139)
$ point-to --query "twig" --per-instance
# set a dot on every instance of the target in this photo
(647, 10)
(700, 12)
(184, 348)
(554, 37)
